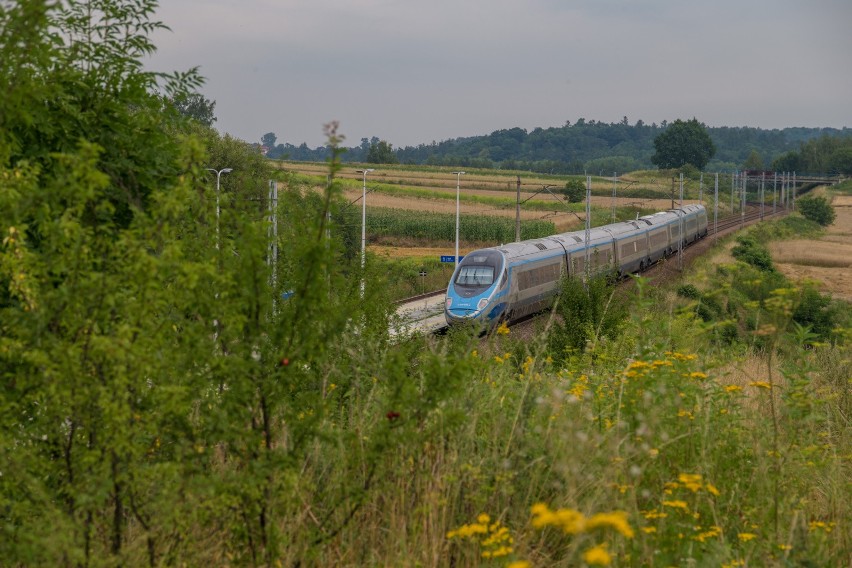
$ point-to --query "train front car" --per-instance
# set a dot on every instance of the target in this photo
(477, 291)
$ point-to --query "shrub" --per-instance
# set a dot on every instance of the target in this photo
(588, 313)
(751, 252)
(574, 190)
(688, 291)
(817, 209)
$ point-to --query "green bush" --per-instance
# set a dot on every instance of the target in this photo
(751, 252)
(816, 209)
(587, 313)
(575, 190)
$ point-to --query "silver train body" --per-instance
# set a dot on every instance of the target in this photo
(518, 279)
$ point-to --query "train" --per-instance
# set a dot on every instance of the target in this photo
(514, 280)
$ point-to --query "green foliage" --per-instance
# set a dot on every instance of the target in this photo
(159, 405)
(381, 153)
(195, 106)
(751, 252)
(826, 154)
(683, 142)
(268, 139)
(817, 209)
(688, 291)
(754, 161)
(383, 222)
(587, 314)
(91, 86)
(575, 190)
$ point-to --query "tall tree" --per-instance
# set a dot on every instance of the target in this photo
(381, 153)
(268, 139)
(681, 143)
(196, 106)
(754, 161)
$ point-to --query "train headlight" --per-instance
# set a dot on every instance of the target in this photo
(449, 303)
(482, 303)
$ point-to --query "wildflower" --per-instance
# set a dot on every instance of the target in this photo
(711, 532)
(745, 537)
(616, 520)
(760, 384)
(649, 530)
(569, 520)
(284, 362)
(519, 564)
(691, 481)
(654, 514)
(785, 547)
(712, 489)
(597, 556)
(653, 452)
(733, 388)
(503, 329)
(827, 527)
(392, 415)
(676, 504)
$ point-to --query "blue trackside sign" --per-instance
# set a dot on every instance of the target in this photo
(450, 258)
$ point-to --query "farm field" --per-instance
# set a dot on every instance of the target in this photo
(827, 260)
(486, 194)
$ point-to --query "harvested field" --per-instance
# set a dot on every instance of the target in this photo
(828, 260)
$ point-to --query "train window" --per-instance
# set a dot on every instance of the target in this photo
(475, 276)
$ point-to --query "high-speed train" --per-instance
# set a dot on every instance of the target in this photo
(517, 279)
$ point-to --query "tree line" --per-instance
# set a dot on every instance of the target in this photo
(589, 146)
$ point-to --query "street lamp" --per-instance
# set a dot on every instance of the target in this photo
(218, 176)
(363, 225)
(458, 184)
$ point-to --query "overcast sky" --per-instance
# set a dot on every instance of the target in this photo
(414, 71)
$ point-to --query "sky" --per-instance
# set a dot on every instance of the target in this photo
(416, 71)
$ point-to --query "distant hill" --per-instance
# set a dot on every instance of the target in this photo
(582, 147)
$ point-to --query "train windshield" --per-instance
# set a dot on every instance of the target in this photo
(478, 269)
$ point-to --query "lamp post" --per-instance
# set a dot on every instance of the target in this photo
(218, 176)
(363, 225)
(458, 188)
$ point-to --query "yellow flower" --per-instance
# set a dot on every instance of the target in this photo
(733, 388)
(697, 375)
(503, 329)
(745, 537)
(712, 489)
(760, 384)
(676, 504)
(691, 481)
(597, 556)
(649, 530)
(483, 518)
(616, 520)
(785, 547)
(519, 564)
